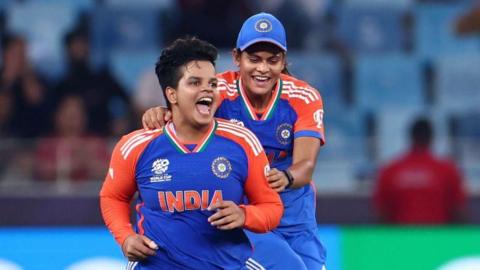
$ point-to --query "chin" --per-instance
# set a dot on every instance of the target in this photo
(203, 120)
(261, 90)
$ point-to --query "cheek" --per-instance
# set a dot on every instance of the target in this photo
(186, 96)
(277, 69)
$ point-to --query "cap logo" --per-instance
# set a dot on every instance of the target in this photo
(263, 25)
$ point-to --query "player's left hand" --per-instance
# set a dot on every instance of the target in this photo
(228, 216)
(277, 180)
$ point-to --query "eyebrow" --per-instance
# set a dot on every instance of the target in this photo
(255, 55)
(200, 78)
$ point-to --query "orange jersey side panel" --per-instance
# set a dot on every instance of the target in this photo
(120, 185)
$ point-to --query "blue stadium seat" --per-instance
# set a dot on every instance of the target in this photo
(126, 28)
(141, 3)
(367, 29)
(434, 31)
(468, 125)
(127, 66)
(457, 81)
(224, 61)
(81, 5)
(345, 151)
(322, 71)
(43, 31)
(388, 80)
(403, 4)
(5, 3)
(467, 141)
(345, 131)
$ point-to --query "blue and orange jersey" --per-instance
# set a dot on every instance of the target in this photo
(295, 110)
(177, 182)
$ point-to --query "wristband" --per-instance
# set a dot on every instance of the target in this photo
(289, 178)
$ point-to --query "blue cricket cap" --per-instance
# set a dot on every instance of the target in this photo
(262, 27)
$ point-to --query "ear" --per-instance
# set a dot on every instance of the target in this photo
(171, 95)
(236, 54)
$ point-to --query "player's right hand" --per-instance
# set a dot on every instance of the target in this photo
(138, 247)
(156, 117)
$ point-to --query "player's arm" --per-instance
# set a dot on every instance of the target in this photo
(309, 137)
(305, 151)
(115, 197)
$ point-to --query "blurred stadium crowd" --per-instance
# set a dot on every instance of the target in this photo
(75, 73)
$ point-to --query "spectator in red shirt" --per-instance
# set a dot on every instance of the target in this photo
(70, 153)
(419, 188)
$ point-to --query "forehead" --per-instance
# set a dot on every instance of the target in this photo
(200, 69)
(264, 47)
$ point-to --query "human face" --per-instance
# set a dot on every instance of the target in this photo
(260, 67)
(194, 102)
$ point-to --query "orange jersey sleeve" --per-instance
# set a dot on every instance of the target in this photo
(120, 185)
(226, 87)
(308, 104)
(265, 208)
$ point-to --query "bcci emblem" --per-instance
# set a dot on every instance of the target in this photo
(284, 132)
(263, 26)
(159, 167)
(221, 167)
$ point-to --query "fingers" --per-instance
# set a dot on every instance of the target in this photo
(149, 243)
(147, 119)
(138, 247)
(277, 180)
(159, 121)
(228, 216)
(144, 121)
(168, 116)
(154, 118)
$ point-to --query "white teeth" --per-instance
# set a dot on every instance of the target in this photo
(206, 99)
(261, 78)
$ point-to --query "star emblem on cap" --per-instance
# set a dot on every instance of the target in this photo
(263, 25)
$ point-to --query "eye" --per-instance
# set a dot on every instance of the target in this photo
(195, 83)
(254, 59)
(274, 60)
(213, 84)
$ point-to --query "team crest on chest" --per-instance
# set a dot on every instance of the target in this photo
(221, 167)
(284, 132)
(159, 169)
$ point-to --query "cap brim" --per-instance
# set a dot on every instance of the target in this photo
(257, 40)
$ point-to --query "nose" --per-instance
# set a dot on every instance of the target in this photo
(262, 67)
(207, 88)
